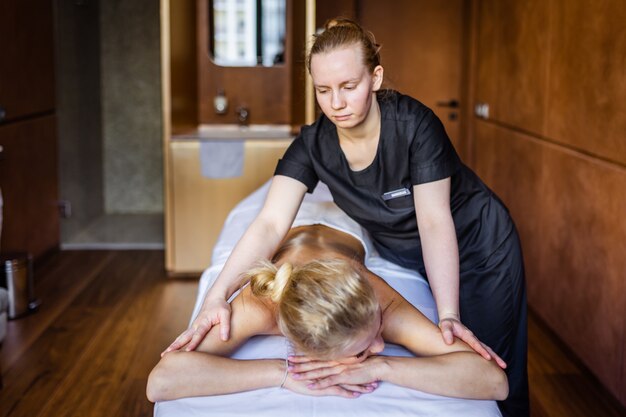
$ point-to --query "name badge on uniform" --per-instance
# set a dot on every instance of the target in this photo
(400, 192)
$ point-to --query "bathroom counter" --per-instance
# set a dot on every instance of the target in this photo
(196, 203)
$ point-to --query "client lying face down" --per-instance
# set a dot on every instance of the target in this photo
(336, 313)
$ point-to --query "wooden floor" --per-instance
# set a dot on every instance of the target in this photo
(106, 316)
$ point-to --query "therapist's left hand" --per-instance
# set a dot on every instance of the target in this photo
(452, 326)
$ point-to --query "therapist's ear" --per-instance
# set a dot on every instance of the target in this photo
(377, 77)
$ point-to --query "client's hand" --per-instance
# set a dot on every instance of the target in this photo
(452, 326)
(303, 386)
(214, 312)
(321, 375)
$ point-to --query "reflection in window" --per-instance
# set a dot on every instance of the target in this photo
(241, 38)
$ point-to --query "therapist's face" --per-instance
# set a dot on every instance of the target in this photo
(344, 85)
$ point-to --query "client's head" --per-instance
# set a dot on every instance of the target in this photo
(326, 308)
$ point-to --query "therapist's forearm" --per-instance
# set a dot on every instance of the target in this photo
(258, 242)
(192, 374)
(441, 259)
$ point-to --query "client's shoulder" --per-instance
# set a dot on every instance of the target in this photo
(255, 315)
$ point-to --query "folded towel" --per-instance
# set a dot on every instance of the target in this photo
(222, 159)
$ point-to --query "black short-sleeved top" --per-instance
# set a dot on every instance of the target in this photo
(413, 149)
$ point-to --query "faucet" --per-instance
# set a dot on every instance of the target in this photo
(242, 115)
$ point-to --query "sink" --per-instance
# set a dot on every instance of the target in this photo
(232, 131)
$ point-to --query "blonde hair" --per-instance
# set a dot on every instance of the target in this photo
(341, 32)
(320, 306)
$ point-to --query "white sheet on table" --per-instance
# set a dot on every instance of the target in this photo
(387, 400)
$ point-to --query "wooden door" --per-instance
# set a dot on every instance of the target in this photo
(422, 51)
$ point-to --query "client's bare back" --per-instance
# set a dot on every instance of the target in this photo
(305, 243)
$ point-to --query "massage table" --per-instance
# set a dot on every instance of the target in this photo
(387, 400)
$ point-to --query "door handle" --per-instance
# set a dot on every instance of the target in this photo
(3, 114)
(450, 103)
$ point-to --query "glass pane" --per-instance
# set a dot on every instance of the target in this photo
(248, 32)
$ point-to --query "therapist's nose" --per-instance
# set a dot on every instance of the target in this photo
(337, 101)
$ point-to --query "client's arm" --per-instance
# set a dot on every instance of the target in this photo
(208, 371)
(451, 370)
(259, 241)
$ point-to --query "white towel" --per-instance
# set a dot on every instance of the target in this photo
(222, 159)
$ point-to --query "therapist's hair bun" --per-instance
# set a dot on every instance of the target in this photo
(342, 32)
(321, 305)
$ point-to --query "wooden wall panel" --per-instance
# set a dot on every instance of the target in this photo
(583, 265)
(587, 87)
(569, 209)
(512, 62)
(27, 58)
(523, 56)
(29, 183)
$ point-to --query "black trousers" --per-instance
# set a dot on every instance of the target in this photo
(493, 305)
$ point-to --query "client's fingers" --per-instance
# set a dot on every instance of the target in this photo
(322, 383)
(318, 372)
(338, 391)
(364, 389)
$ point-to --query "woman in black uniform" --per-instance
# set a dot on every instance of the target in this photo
(390, 166)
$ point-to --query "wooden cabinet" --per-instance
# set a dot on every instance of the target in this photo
(28, 163)
(198, 206)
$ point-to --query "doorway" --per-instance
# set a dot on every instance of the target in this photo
(109, 124)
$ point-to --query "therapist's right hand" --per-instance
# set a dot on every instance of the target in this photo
(214, 312)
